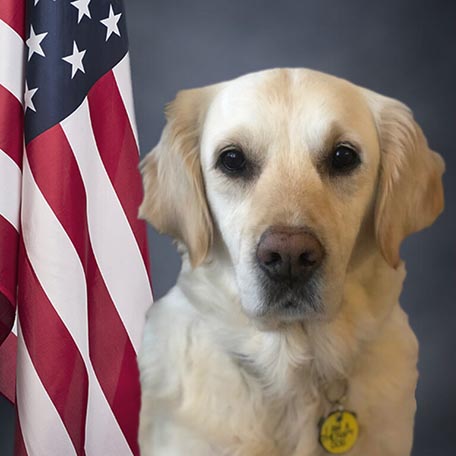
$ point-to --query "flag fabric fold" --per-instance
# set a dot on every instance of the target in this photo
(74, 266)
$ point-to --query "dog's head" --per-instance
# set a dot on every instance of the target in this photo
(295, 173)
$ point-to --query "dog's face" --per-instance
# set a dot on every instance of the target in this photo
(290, 162)
(295, 173)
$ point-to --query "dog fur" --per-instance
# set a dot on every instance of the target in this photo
(221, 373)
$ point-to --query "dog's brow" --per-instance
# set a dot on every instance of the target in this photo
(242, 137)
(322, 140)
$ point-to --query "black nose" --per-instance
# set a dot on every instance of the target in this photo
(289, 253)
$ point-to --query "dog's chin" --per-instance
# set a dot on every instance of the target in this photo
(286, 314)
(279, 305)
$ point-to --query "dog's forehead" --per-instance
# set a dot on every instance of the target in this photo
(306, 99)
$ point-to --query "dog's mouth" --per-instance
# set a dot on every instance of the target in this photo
(291, 301)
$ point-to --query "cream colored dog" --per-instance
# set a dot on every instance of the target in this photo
(289, 192)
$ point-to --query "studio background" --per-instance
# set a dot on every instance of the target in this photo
(401, 48)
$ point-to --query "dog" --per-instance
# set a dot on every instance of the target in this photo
(288, 192)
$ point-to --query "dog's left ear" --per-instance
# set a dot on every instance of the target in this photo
(410, 191)
(174, 200)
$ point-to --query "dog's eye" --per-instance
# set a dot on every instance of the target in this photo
(232, 161)
(344, 159)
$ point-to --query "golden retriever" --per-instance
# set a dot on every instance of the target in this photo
(289, 192)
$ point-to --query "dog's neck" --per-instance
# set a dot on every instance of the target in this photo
(319, 351)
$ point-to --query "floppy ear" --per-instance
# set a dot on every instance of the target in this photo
(174, 196)
(410, 192)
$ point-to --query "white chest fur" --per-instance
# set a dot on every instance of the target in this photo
(213, 388)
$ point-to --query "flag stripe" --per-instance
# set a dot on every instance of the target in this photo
(11, 127)
(19, 445)
(9, 239)
(103, 434)
(114, 361)
(118, 150)
(12, 50)
(12, 12)
(11, 179)
(7, 312)
(40, 423)
(12, 25)
(53, 257)
(51, 347)
(48, 155)
(104, 352)
(7, 366)
(122, 74)
(64, 279)
(8, 272)
(108, 227)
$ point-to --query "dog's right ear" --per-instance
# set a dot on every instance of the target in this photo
(174, 196)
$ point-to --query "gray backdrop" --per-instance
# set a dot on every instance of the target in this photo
(402, 48)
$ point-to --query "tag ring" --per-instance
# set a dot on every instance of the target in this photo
(336, 393)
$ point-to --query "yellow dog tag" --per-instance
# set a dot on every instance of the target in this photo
(339, 432)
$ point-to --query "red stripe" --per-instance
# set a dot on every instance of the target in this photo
(111, 351)
(19, 446)
(53, 353)
(9, 239)
(8, 350)
(6, 317)
(11, 125)
(13, 13)
(119, 152)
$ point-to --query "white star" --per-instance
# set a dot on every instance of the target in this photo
(33, 43)
(28, 98)
(111, 23)
(83, 8)
(75, 60)
(35, 2)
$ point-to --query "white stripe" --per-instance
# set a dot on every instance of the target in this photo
(113, 242)
(60, 273)
(122, 76)
(14, 328)
(10, 189)
(12, 50)
(42, 428)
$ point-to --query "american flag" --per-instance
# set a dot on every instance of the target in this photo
(74, 282)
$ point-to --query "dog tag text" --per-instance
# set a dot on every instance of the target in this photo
(339, 431)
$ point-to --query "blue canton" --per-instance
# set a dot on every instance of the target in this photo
(70, 45)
